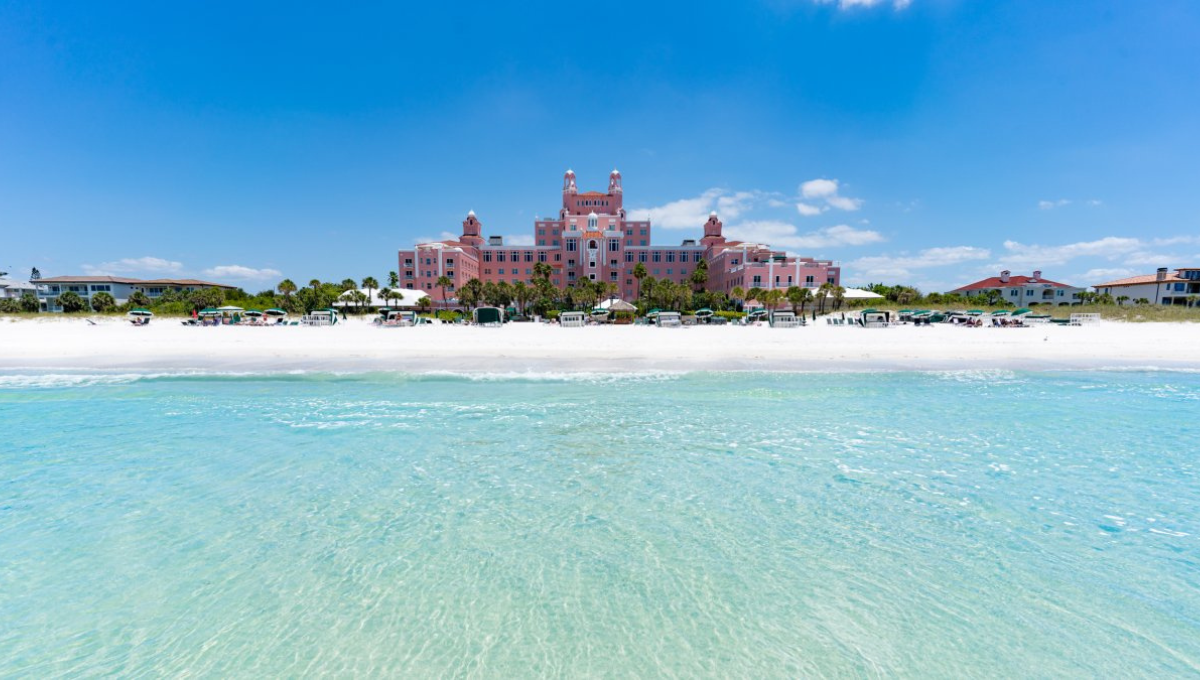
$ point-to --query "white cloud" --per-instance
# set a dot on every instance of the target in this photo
(443, 236)
(1021, 255)
(518, 240)
(1101, 275)
(1176, 240)
(692, 213)
(826, 190)
(784, 235)
(686, 213)
(843, 203)
(899, 266)
(1051, 205)
(131, 265)
(819, 188)
(237, 271)
(851, 4)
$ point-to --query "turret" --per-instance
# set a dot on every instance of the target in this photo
(614, 182)
(712, 231)
(472, 229)
(569, 183)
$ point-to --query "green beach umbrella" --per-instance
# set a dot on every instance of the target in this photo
(974, 312)
(1000, 313)
(704, 312)
(275, 311)
(253, 312)
(140, 311)
(1023, 310)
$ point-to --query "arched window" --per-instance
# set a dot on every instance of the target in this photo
(592, 245)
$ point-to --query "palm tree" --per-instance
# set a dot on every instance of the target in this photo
(444, 282)
(839, 296)
(393, 280)
(798, 297)
(370, 284)
(523, 295)
(738, 294)
(639, 273)
(425, 304)
(286, 288)
(315, 283)
(1122, 299)
(699, 277)
(822, 294)
(543, 271)
(470, 293)
(348, 284)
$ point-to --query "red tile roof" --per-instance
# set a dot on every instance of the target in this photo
(1137, 280)
(1013, 281)
(593, 194)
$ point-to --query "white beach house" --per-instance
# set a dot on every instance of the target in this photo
(1159, 288)
(118, 286)
(1024, 291)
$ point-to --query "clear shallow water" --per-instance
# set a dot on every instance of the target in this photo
(722, 525)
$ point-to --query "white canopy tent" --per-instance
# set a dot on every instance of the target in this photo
(860, 294)
(410, 298)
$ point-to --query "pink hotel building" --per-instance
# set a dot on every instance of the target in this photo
(591, 239)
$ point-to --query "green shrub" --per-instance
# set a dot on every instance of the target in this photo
(103, 302)
(9, 306)
(71, 303)
(29, 303)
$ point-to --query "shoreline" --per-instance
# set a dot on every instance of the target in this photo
(72, 345)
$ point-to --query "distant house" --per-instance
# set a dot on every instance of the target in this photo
(1159, 288)
(11, 288)
(119, 287)
(1024, 291)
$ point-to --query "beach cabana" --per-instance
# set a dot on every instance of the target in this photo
(617, 306)
(874, 318)
(488, 316)
(669, 320)
(784, 319)
(572, 320)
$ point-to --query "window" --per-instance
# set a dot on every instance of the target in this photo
(1029, 293)
(487, 271)
(500, 256)
(571, 245)
(408, 262)
(449, 262)
(541, 257)
(613, 245)
(657, 256)
(101, 289)
(670, 256)
(830, 280)
(529, 256)
(487, 256)
(629, 232)
(642, 256)
(408, 274)
(1014, 292)
(643, 243)
(612, 276)
(683, 257)
(500, 271)
(656, 272)
(757, 280)
(612, 263)
(669, 272)
(570, 276)
(629, 257)
(529, 272)
(558, 257)
(541, 232)
(592, 277)
(643, 234)
(808, 280)
(554, 243)
(541, 241)
(592, 245)
(570, 263)
(1060, 293)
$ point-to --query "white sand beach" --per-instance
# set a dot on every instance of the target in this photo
(166, 345)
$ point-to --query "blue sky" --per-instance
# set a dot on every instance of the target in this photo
(929, 142)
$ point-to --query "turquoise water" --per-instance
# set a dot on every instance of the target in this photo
(719, 525)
